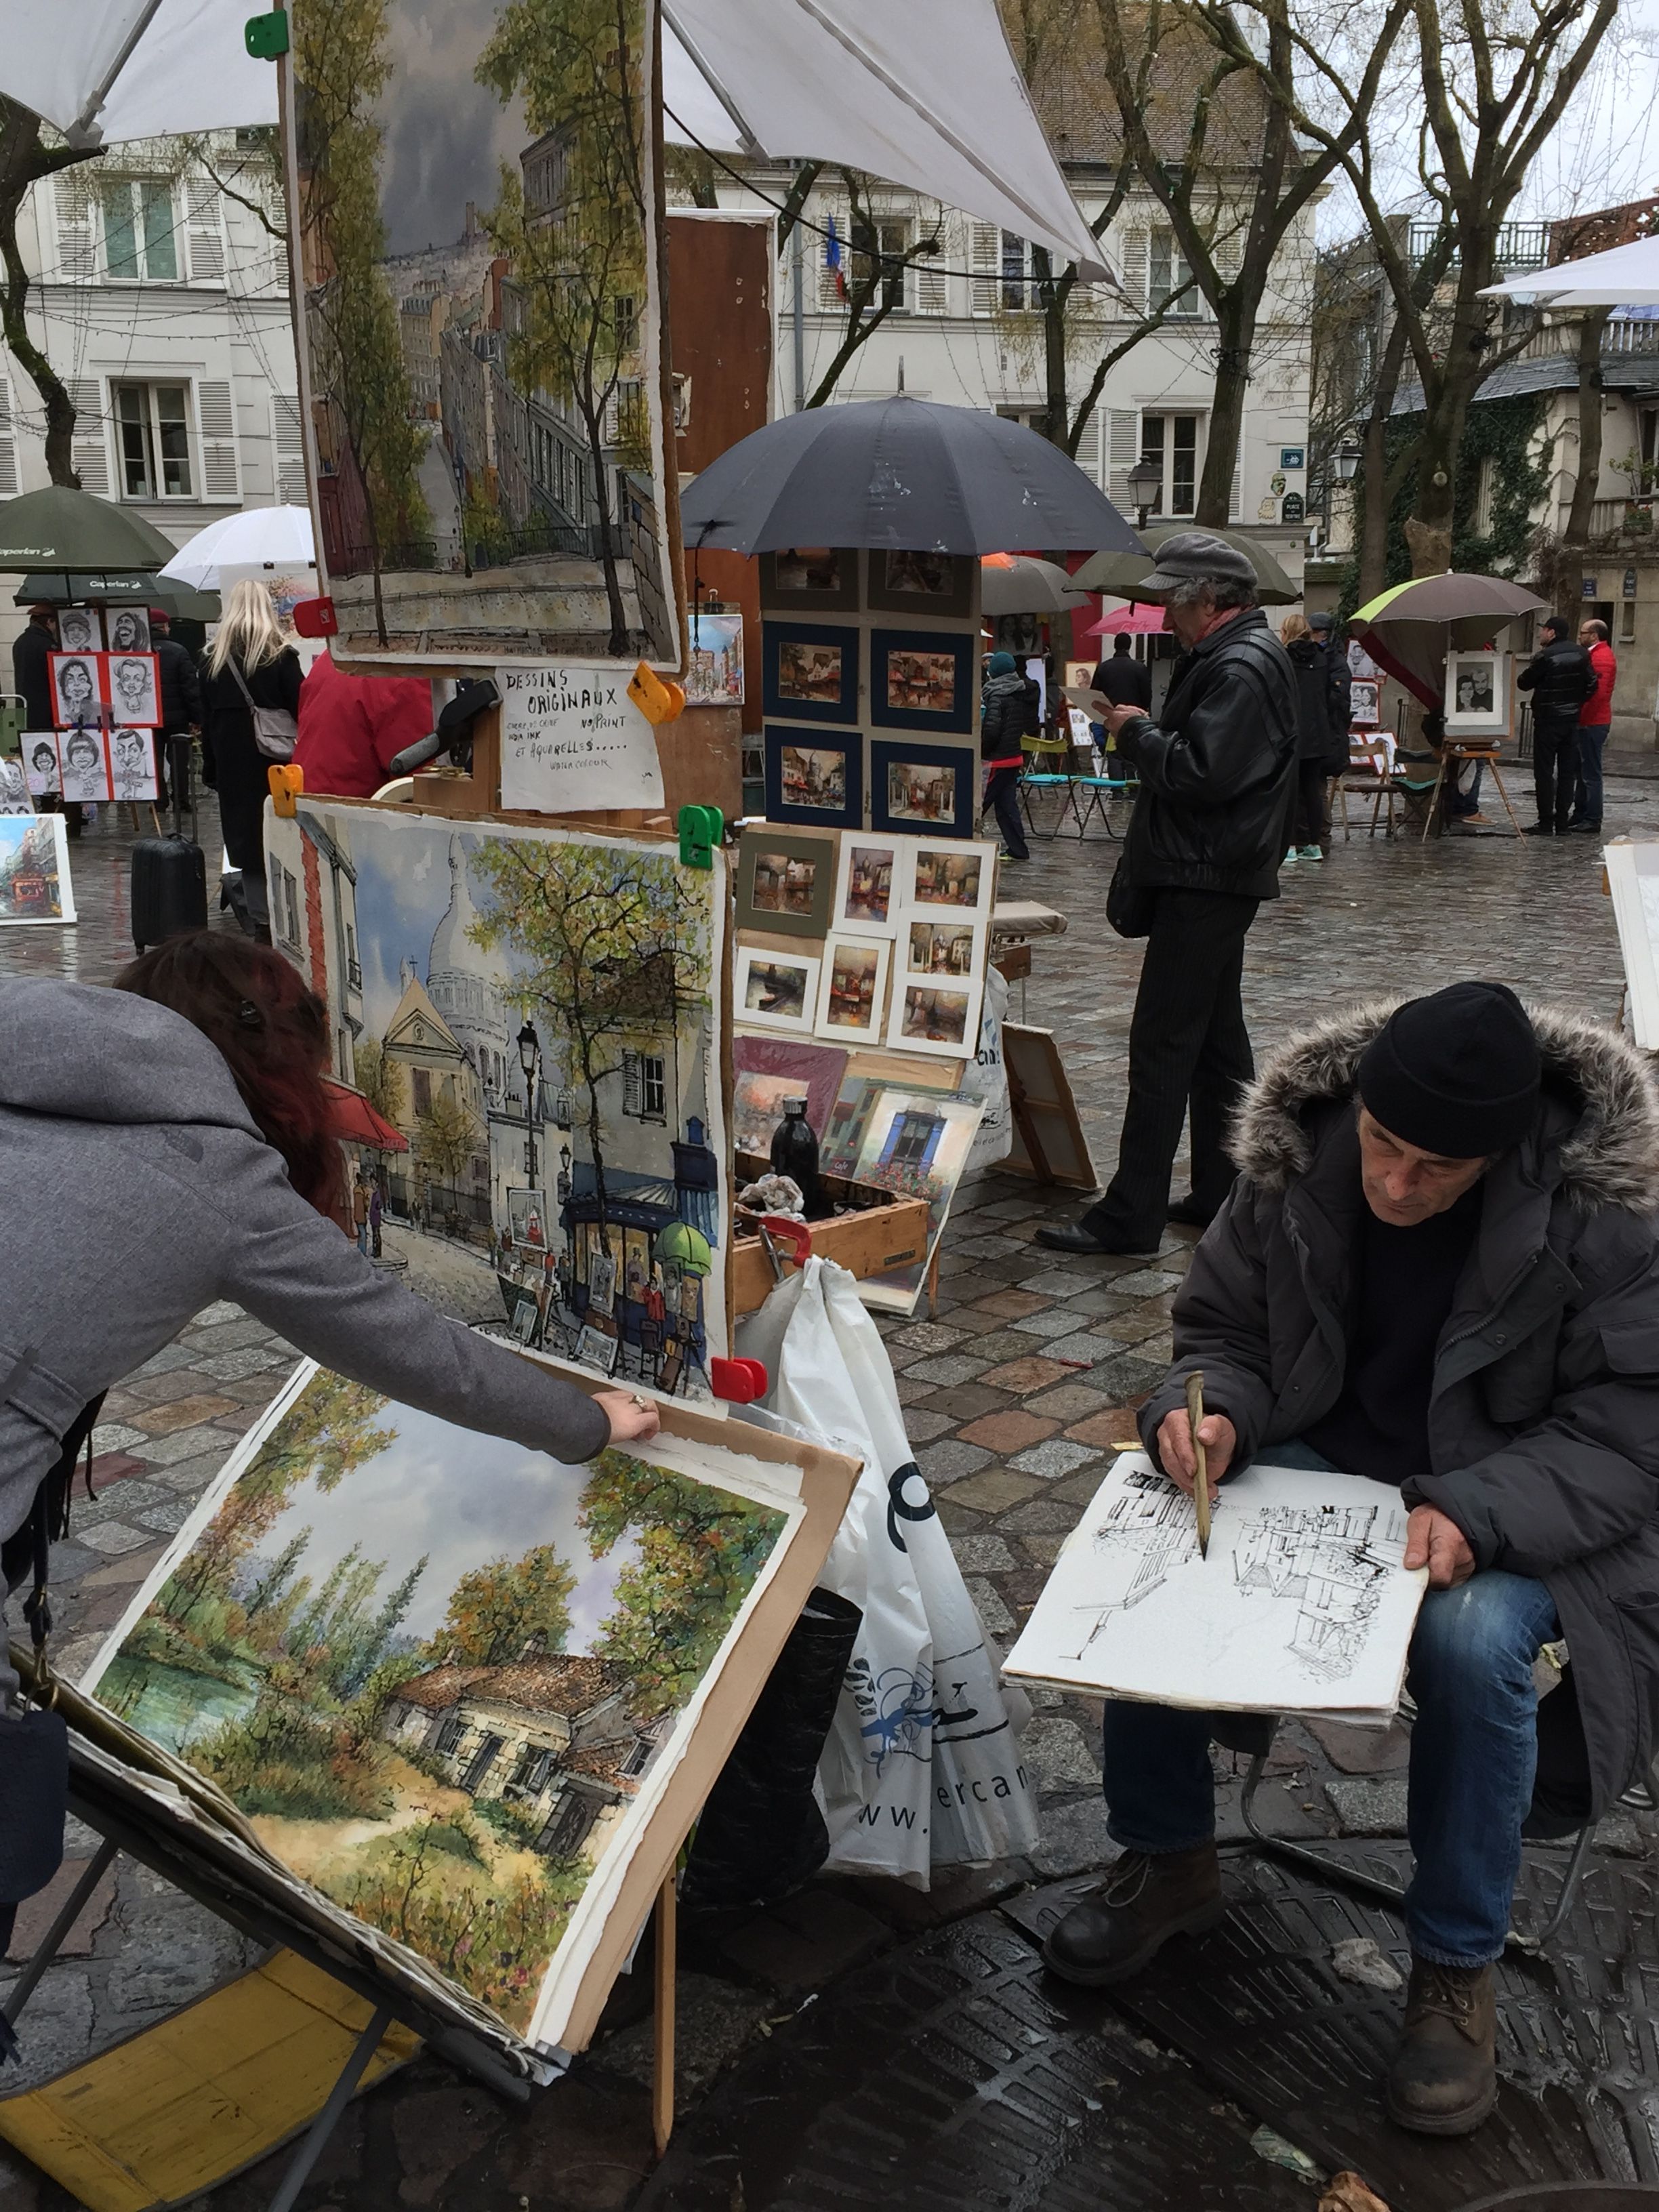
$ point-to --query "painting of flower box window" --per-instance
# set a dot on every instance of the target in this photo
(853, 990)
(34, 871)
(526, 1010)
(921, 680)
(774, 990)
(916, 1143)
(477, 212)
(914, 787)
(815, 776)
(810, 672)
(445, 1679)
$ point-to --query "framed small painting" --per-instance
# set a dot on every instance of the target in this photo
(853, 990)
(923, 787)
(814, 776)
(921, 680)
(35, 870)
(77, 688)
(907, 583)
(1365, 698)
(82, 770)
(802, 577)
(947, 876)
(933, 945)
(942, 1018)
(129, 629)
(866, 902)
(810, 672)
(785, 884)
(776, 990)
(1477, 695)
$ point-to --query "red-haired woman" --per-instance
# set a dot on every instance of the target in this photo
(168, 1143)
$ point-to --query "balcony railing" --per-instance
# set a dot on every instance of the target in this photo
(1520, 245)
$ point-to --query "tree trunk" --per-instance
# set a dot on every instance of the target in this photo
(618, 645)
(1373, 528)
(23, 162)
(1235, 335)
(1052, 295)
(1588, 480)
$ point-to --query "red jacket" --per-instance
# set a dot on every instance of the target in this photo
(1597, 710)
(351, 726)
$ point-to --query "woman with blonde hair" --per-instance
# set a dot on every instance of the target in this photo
(1321, 734)
(249, 667)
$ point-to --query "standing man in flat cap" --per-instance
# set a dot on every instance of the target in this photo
(1437, 1270)
(1202, 851)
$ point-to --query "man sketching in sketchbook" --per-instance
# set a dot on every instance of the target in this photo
(1438, 1269)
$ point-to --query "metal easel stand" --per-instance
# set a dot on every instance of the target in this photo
(317, 2135)
(1393, 1892)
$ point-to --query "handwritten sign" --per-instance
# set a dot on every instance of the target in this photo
(572, 739)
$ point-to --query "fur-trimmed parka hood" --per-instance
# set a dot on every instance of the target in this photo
(1611, 1157)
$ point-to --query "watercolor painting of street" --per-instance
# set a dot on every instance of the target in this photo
(527, 1010)
(437, 1672)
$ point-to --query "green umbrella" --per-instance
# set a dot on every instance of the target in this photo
(1120, 574)
(125, 588)
(58, 528)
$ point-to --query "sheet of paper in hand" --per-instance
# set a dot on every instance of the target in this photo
(1302, 1605)
(460, 1704)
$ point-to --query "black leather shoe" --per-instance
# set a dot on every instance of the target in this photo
(1586, 829)
(1538, 829)
(1187, 1213)
(1146, 1899)
(1072, 1236)
(1443, 2080)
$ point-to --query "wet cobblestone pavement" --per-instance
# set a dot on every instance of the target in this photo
(1014, 1391)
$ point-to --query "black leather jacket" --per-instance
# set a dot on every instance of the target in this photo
(1216, 770)
(1561, 680)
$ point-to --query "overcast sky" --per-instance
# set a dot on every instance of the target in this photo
(446, 137)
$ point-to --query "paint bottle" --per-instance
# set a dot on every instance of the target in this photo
(795, 1151)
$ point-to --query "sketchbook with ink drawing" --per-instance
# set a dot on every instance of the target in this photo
(1304, 1605)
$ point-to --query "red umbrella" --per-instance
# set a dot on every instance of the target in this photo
(355, 1121)
(1136, 621)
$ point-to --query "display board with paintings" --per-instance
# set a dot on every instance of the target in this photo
(453, 1705)
(93, 763)
(867, 941)
(477, 209)
(448, 951)
(1633, 880)
(871, 689)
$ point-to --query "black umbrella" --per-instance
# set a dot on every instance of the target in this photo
(908, 474)
(124, 587)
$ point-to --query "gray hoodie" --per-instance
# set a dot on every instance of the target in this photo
(138, 1190)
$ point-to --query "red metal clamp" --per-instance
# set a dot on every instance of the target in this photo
(740, 1381)
(785, 1230)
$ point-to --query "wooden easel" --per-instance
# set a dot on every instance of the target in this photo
(1457, 754)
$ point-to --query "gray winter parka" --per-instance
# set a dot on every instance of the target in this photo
(138, 1190)
(1544, 1421)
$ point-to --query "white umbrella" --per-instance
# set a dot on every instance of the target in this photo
(1623, 276)
(260, 537)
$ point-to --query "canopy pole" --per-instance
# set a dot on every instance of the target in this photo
(797, 268)
(81, 132)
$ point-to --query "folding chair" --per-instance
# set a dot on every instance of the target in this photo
(1030, 781)
(1370, 774)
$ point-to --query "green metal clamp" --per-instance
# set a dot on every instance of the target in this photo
(701, 829)
(266, 37)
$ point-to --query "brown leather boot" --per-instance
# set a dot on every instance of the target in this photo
(1443, 2080)
(1145, 1897)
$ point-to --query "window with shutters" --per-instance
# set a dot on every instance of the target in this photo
(140, 229)
(287, 442)
(152, 431)
(879, 249)
(832, 272)
(8, 440)
(421, 1087)
(204, 231)
(1170, 443)
(88, 450)
(215, 414)
(1168, 272)
(644, 1086)
(930, 282)
(985, 245)
(77, 247)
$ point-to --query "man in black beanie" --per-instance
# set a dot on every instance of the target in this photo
(1437, 1270)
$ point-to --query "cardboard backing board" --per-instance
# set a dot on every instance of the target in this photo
(331, 1884)
(1049, 1142)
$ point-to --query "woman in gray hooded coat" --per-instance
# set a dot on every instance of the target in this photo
(168, 1143)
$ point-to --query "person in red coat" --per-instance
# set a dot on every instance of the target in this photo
(351, 727)
(1595, 720)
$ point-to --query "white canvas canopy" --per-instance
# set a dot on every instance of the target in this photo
(1623, 276)
(926, 95)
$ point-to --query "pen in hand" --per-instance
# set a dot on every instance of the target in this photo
(1201, 1485)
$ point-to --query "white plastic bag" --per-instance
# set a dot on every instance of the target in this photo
(986, 1080)
(922, 1767)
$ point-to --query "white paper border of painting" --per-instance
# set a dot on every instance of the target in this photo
(841, 923)
(1637, 946)
(969, 988)
(744, 1016)
(1473, 722)
(870, 1033)
(375, 662)
(65, 886)
(944, 917)
(953, 849)
(748, 1478)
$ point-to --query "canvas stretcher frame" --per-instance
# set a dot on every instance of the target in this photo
(153, 1802)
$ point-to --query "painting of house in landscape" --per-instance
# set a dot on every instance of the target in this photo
(532, 1011)
(442, 1675)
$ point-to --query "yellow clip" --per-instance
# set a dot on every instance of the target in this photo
(658, 700)
(286, 780)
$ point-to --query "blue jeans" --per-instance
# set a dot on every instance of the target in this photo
(1587, 799)
(1002, 797)
(1473, 1751)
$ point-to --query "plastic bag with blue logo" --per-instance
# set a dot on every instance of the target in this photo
(922, 1767)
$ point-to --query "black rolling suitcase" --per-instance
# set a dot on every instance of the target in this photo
(169, 874)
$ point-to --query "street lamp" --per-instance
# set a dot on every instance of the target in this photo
(1345, 460)
(1145, 488)
(529, 1054)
